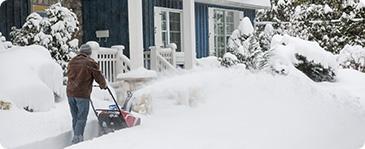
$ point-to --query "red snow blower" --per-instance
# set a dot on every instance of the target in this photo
(116, 118)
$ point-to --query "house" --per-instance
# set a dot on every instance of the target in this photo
(199, 28)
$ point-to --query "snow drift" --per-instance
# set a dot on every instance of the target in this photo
(235, 109)
(30, 77)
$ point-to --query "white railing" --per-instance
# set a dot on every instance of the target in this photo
(147, 59)
(123, 61)
(162, 59)
(112, 61)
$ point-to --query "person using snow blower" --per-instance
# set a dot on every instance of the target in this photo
(82, 71)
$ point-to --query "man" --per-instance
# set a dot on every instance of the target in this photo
(82, 71)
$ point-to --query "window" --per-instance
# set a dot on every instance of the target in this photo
(168, 27)
(222, 23)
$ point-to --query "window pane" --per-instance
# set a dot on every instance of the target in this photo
(174, 17)
(230, 17)
(164, 38)
(163, 21)
(230, 29)
(175, 22)
(176, 38)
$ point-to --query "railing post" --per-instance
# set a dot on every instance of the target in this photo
(154, 53)
(173, 47)
(120, 50)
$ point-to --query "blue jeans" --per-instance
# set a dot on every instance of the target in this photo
(79, 108)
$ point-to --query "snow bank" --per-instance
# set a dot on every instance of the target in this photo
(208, 62)
(30, 77)
(236, 109)
(352, 81)
(21, 129)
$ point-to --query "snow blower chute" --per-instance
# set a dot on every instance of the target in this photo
(116, 118)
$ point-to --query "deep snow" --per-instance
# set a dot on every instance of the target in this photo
(230, 108)
(30, 81)
(21, 129)
(30, 77)
(207, 107)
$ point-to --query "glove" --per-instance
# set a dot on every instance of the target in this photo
(104, 87)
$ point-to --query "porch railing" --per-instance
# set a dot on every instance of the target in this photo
(112, 61)
(161, 59)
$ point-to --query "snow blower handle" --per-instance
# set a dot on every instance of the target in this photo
(115, 101)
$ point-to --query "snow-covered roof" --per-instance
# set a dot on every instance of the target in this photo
(253, 4)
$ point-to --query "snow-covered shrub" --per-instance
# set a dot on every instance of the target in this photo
(3, 43)
(352, 57)
(308, 57)
(265, 37)
(313, 70)
(55, 32)
(244, 48)
(31, 78)
(229, 60)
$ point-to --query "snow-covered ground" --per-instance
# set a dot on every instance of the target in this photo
(21, 129)
(30, 81)
(207, 107)
(231, 108)
(31, 78)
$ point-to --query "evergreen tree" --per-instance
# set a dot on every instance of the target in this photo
(244, 48)
(55, 32)
(331, 23)
(265, 37)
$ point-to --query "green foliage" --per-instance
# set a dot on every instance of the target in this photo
(316, 72)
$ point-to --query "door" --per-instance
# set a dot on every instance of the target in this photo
(222, 23)
(168, 27)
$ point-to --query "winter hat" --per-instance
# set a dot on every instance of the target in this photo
(85, 49)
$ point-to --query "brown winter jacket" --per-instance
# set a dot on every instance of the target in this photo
(82, 71)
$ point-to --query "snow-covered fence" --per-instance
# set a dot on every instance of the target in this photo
(162, 59)
(112, 61)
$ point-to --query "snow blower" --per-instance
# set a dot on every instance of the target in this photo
(116, 118)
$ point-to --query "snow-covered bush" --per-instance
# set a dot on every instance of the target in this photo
(308, 57)
(316, 71)
(55, 32)
(30, 78)
(244, 48)
(352, 57)
(265, 37)
(3, 43)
